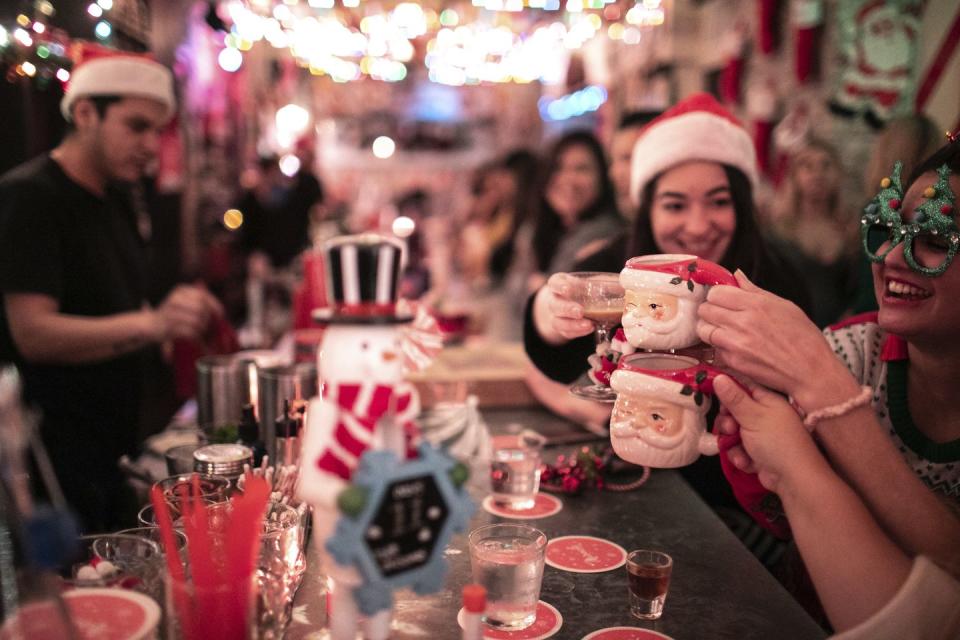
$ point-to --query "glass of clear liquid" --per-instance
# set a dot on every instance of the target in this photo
(507, 560)
(515, 470)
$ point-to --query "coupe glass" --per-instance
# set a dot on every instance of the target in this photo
(602, 297)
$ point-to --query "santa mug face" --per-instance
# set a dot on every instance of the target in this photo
(659, 417)
(663, 292)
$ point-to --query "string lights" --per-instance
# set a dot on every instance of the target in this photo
(32, 48)
(467, 43)
(483, 41)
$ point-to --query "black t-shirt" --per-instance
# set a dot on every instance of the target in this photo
(58, 239)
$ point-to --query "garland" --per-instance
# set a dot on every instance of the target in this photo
(587, 467)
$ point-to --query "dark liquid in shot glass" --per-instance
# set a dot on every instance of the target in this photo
(648, 582)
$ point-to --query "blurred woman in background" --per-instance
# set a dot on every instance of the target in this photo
(816, 229)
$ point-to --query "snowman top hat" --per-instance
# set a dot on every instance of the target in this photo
(363, 275)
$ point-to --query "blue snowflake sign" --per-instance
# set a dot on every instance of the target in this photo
(397, 519)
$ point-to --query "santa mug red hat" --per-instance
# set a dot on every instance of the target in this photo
(106, 72)
(697, 128)
(662, 293)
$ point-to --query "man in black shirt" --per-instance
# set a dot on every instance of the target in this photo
(74, 317)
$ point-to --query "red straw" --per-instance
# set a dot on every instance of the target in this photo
(161, 513)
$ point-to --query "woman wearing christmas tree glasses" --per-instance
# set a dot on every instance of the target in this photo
(880, 393)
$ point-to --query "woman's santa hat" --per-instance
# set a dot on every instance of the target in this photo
(105, 72)
(697, 128)
(683, 276)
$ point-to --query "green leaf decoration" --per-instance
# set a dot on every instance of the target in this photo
(701, 376)
(459, 474)
(351, 500)
(690, 285)
(698, 398)
(686, 390)
(676, 280)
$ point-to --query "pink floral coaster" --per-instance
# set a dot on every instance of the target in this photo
(625, 633)
(545, 505)
(584, 554)
(548, 622)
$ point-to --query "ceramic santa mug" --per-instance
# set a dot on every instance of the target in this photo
(659, 417)
(663, 292)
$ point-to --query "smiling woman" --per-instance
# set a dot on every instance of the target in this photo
(692, 178)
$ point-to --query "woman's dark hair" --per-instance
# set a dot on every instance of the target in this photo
(549, 228)
(747, 249)
(948, 154)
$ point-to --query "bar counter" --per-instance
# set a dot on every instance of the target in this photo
(717, 590)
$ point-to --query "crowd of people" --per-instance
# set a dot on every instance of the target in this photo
(865, 455)
(869, 480)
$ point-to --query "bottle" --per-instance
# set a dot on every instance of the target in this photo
(249, 434)
(288, 437)
(474, 603)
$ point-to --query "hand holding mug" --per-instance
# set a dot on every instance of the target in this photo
(770, 340)
(775, 444)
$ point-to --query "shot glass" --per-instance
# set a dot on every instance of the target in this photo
(515, 470)
(507, 560)
(648, 580)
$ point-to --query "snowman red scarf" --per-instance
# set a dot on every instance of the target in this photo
(359, 408)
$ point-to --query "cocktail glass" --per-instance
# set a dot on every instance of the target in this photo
(602, 297)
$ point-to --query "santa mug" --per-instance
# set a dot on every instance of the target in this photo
(663, 292)
(659, 417)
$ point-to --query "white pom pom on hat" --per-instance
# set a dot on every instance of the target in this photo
(104, 72)
(696, 128)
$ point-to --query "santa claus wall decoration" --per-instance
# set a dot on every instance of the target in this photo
(879, 41)
(385, 503)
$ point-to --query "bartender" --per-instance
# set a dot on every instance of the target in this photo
(74, 317)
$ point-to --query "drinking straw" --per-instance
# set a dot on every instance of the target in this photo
(161, 513)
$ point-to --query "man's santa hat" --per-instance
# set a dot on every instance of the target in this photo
(697, 128)
(679, 380)
(105, 72)
(683, 276)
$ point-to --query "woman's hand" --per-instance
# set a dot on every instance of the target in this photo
(770, 340)
(557, 318)
(775, 444)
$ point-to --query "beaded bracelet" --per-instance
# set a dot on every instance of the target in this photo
(835, 411)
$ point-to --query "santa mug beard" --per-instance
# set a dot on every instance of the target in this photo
(653, 320)
(652, 432)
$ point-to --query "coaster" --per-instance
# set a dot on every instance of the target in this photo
(544, 505)
(625, 633)
(548, 622)
(584, 554)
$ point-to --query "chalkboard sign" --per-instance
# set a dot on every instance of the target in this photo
(407, 524)
(410, 510)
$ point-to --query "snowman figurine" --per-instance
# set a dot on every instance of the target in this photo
(364, 403)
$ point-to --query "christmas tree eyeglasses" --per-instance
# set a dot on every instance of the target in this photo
(930, 238)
